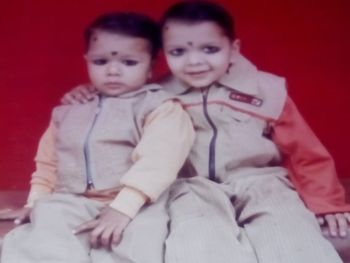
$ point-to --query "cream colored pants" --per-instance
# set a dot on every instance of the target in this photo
(49, 238)
(253, 219)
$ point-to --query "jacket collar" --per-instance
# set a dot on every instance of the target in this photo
(242, 76)
(134, 93)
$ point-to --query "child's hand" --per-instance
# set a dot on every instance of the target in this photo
(80, 94)
(336, 224)
(20, 215)
(106, 229)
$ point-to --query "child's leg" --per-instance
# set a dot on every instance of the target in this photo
(142, 240)
(49, 237)
(203, 227)
(278, 224)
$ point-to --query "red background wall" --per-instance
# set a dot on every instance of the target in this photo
(41, 58)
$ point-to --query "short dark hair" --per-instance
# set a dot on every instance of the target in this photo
(129, 24)
(197, 11)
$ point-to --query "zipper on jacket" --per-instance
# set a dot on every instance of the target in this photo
(211, 167)
(89, 179)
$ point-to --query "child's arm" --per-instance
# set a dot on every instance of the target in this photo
(311, 168)
(166, 141)
(43, 179)
(45, 175)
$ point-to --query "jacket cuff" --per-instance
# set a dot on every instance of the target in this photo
(36, 192)
(129, 201)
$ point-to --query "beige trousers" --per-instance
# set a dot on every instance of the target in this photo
(253, 219)
(49, 238)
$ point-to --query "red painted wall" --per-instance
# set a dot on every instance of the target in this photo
(41, 58)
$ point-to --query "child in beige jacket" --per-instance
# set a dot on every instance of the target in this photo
(103, 168)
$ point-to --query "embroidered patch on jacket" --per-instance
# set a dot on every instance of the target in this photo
(246, 99)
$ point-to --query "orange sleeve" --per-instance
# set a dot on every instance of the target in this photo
(311, 167)
(45, 175)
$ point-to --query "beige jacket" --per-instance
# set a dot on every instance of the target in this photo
(246, 123)
(124, 149)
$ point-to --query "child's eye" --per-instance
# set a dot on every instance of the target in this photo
(99, 61)
(176, 52)
(130, 62)
(210, 49)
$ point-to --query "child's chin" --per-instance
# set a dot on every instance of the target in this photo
(198, 84)
(111, 93)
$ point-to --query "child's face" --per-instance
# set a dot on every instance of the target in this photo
(198, 54)
(116, 63)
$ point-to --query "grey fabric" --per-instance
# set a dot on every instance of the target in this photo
(49, 238)
(255, 219)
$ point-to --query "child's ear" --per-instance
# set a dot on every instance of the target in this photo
(235, 49)
(85, 57)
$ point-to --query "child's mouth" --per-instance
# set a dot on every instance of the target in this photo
(113, 84)
(197, 74)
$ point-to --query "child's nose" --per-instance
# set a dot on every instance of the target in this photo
(194, 58)
(113, 69)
